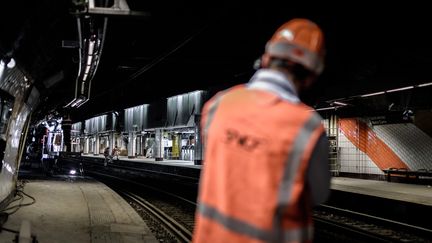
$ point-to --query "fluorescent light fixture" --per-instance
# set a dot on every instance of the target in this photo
(399, 89)
(373, 94)
(77, 102)
(11, 63)
(396, 90)
(2, 68)
(339, 103)
(89, 60)
(91, 47)
(424, 85)
(325, 108)
(82, 103)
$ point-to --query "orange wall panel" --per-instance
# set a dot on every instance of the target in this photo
(367, 141)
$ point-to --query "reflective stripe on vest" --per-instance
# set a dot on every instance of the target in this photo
(285, 189)
(284, 194)
(250, 230)
(234, 224)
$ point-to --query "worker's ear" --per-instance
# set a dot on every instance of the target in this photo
(264, 61)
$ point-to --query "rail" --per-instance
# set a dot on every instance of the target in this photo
(368, 227)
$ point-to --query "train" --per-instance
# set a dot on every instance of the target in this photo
(19, 97)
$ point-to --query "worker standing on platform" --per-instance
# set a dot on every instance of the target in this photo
(115, 153)
(266, 157)
(107, 156)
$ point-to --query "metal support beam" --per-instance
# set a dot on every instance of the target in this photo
(120, 7)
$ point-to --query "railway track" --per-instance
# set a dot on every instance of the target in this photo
(169, 215)
(347, 225)
(179, 230)
(332, 224)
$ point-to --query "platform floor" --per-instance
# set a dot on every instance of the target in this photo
(77, 211)
(88, 211)
(419, 194)
(141, 159)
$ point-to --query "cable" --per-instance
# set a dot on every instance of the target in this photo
(9, 230)
(19, 197)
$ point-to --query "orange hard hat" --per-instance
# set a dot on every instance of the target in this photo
(300, 41)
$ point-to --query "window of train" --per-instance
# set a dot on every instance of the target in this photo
(6, 106)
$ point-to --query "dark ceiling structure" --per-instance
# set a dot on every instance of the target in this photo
(160, 49)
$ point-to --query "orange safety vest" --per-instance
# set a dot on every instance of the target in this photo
(252, 186)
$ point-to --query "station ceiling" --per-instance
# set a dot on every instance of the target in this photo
(166, 48)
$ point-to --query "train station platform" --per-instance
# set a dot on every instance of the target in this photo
(412, 193)
(185, 163)
(76, 211)
(393, 200)
(402, 202)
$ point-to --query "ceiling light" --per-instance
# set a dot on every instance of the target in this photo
(8, 61)
(424, 85)
(399, 89)
(326, 108)
(339, 103)
(11, 63)
(373, 94)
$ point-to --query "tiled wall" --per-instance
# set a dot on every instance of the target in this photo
(368, 149)
(410, 143)
(364, 138)
(353, 160)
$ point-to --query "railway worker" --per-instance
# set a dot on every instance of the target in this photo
(115, 153)
(107, 156)
(266, 157)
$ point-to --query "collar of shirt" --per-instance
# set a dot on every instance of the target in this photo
(274, 82)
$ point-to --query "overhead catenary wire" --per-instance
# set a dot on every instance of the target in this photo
(165, 55)
(155, 61)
